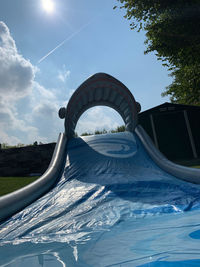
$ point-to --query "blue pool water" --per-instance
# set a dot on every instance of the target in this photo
(113, 206)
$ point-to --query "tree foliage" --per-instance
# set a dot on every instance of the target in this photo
(7, 146)
(119, 129)
(104, 131)
(173, 33)
(185, 88)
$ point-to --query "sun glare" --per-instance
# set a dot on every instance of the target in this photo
(48, 5)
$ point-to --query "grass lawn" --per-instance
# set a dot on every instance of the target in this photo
(10, 184)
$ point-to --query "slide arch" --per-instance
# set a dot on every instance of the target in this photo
(100, 90)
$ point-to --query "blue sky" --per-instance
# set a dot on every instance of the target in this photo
(33, 86)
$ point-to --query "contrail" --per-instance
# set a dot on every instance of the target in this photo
(62, 43)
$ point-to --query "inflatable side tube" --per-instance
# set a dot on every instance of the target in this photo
(191, 175)
(19, 199)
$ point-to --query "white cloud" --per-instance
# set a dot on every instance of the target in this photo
(16, 80)
(44, 103)
(44, 106)
(17, 84)
(16, 73)
(98, 118)
(8, 139)
(63, 74)
(46, 110)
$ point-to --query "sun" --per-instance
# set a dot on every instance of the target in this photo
(48, 5)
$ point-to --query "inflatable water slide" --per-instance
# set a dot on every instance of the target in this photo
(105, 200)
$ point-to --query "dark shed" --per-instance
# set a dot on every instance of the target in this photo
(174, 129)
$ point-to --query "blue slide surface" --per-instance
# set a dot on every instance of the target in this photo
(113, 206)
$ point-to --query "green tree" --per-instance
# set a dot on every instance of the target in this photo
(119, 129)
(185, 88)
(172, 32)
(4, 145)
(85, 134)
(19, 145)
(100, 132)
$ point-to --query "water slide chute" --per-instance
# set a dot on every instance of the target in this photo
(99, 89)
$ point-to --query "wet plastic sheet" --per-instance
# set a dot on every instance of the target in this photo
(112, 207)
